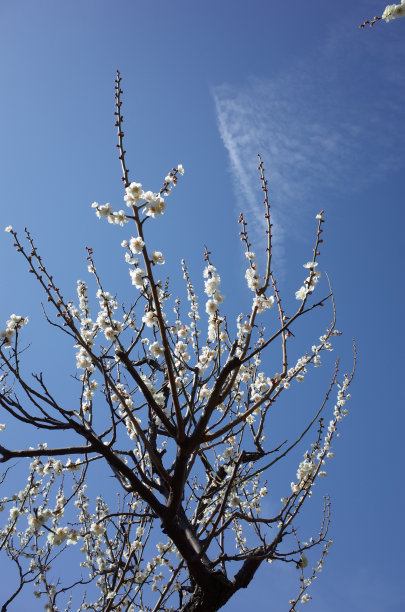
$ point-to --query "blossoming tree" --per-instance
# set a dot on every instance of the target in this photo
(182, 429)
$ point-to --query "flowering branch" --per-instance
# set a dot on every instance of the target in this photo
(391, 12)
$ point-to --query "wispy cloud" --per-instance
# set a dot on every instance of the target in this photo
(319, 130)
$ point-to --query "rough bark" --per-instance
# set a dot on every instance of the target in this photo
(210, 600)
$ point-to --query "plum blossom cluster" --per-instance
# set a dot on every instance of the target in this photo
(310, 282)
(151, 204)
(211, 288)
(313, 462)
(252, 276)
(393, 11)
(14, 323)
(106, 211)
(193, 314)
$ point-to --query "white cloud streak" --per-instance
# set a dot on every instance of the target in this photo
(319, 132)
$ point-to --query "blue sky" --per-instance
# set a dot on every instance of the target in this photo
(210, 84)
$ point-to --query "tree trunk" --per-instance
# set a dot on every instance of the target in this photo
(209, 600)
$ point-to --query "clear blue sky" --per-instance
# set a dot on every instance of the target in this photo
(209, 83)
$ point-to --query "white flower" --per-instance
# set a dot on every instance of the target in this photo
(301, 293)
(180, 169)
(310, 264)
(253, 279)
(109, 333)
(156, 205)
(212, 284)
(150, 318)
(137, 277)
(261, 303)
(120, 218)
(2, 427)
(204, 392)
(8, 228)
(305, 598)
(156, 349)
(72, 467)
(136, 245)
(83, 359)
(392, 11)
(97, 528)
(73, 537)
(306, 467)
(134, 194)
(211, 307)
(234, 499)
(157, 257)
(104, 211)
(14, 513)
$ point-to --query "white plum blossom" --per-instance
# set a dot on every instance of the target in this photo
(104, 210)
(73, 467)
(83, 359)
(212, 283)
(310, 282)
(155, 205)
(136, 245)
(110, 333)
(120, 218)
(134, 194)
(262, 303)
(301, 294)
(150, 318)
(97, 528)
(181, 351)
(14, 513)
(306, 467)
(137, 277)
(253, 279)
(14, 323)
(56, 538)
(234, 499)
(392, 11)
(205, 392)
(157, 257)
(156, 349)
(211, 307)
